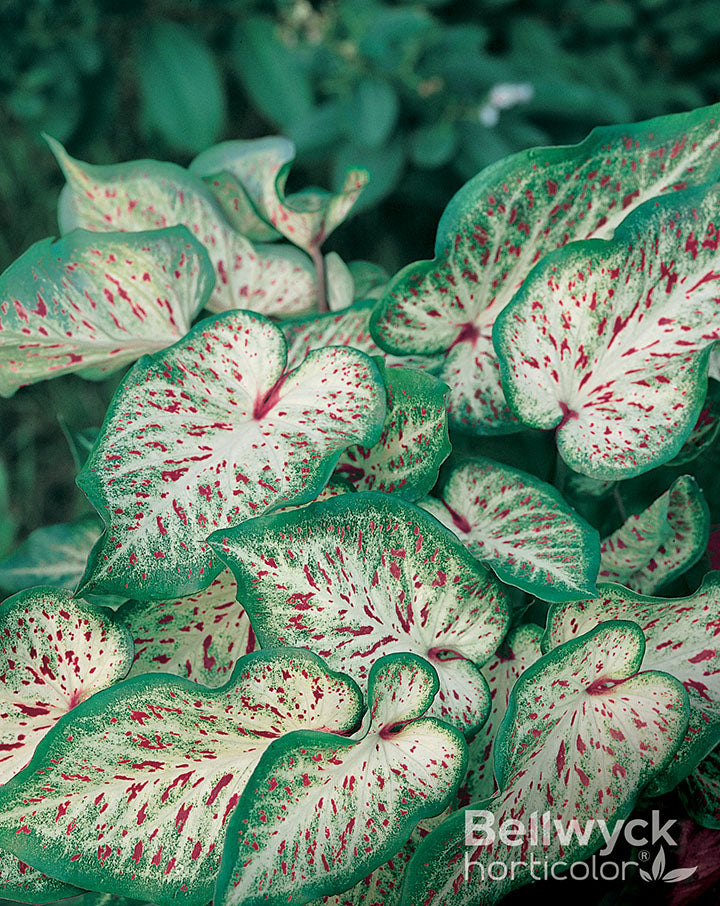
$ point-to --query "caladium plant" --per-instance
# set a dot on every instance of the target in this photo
(321, 620)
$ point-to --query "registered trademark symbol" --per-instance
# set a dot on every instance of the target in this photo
(644, 855)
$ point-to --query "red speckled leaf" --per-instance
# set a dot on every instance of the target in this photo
(349, 327)
(706, 428)
(608, 342)
(131, 792)
(521, 527)
(414, 441)
(365, 575)
(510, 215)
(199, 637)
(700, 793)
(261, 168)
(148, 194)
(209, 433)
(519, 651)
(662, 542)
(583, 734)
(681, 639)
(321, 812)
(23, 884)
(93, 303)
(56, 652)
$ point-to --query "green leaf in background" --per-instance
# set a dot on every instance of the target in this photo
(521, 527)
(433, 145)
(662, 542)
(376, 108)
(700, 792)
(271, 71)
(183, 97)
(53, 555)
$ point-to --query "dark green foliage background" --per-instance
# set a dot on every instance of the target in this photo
(395, 87)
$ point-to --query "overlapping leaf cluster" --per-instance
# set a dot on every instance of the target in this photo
(336, 513)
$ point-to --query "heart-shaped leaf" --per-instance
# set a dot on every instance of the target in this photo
(681, 639)
(56, 652)
(321, 812)
(94, 303)
(53, 555)
(349, 327)
(366, 574)
(148, 194)
(521, 527)
(505, 219)
(700, 792)
(198, 637)
(131, 792)
(584, 732)
(261, 167)
(662, 542)
(518, 651)
(608, 342)
(414, 441)
(210, 432)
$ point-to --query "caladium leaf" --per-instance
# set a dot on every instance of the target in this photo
(148, 194)
(23, 884)
(700, 792)
(94, 303)
(198, 637)
(131, 792)
(237, 206)
(518, 651)
(383, 887)
(321, 812)
(261, 167)
(510, 215)
(210, 432)
(341, 286)
(608, 342)
(349, 327)
(584, 732)
(662, 542)
(681, 639)
(53, 555)
(370, 279)
(521, 527)
(414, 441)
(364, 575)
(56, 652)
(705, 430)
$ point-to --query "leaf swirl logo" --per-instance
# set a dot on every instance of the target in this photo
(657, 872)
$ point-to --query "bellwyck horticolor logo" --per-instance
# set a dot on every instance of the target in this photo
(535, 836)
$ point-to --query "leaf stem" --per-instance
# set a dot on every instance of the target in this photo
(319, 262)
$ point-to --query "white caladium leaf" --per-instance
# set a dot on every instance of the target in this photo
(56, 652)
(341, 286)
(383, 886)
(518, 651)
(198, 637)
(52, 555)
(131, 793)
(22, 884)
(584, 732)
(349, 327)
(505, 219)
(210, 432)
(521, 527)
(700, 792)
(94, 303)
(608, 342)
(365, 575)
(148, 195)
(681, 639)
(321, 812)
(662, 542)
(261, 167)
(414, 441)
(237, 206)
